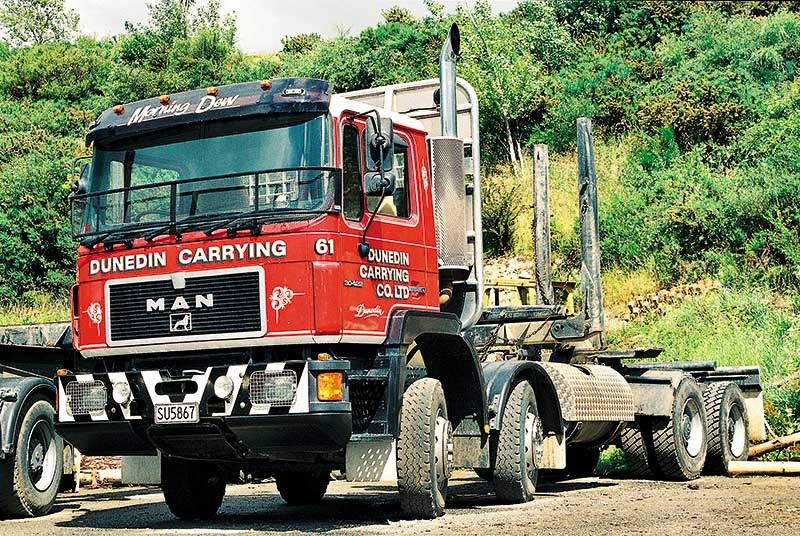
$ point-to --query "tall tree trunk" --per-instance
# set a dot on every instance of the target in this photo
(512, 156)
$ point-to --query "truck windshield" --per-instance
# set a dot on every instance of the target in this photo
(208, 173)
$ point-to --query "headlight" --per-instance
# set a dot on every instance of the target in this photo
(86, 398)
(223, 387)
(121, 393)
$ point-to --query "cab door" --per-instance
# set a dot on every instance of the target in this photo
(396, 272)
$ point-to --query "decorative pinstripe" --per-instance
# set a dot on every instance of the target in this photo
(144, 384)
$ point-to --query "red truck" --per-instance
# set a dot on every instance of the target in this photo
(277, 279)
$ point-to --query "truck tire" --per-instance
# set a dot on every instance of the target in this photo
(679, 442)
(726, 418)
(192, 489)
(30, 478)
(307, 487)
(519, 447)
(424, 450)
(634, 440)
(581, 461)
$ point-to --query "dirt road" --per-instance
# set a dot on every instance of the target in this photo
(713, 505)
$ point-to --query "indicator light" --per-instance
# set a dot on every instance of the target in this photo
(119, 109)
(164, 99)
(330, 387)
(211, 91)
(266, 85)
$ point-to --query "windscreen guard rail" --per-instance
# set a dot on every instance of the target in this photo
(254, 189)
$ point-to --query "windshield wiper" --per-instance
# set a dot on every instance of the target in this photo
(111, 238)
(115, 237)
(253, 220)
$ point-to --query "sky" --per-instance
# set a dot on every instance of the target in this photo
(262, 23)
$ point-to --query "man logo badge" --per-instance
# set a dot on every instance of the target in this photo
(180, 322)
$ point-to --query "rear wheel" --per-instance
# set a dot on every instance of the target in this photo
(424, 450)
(679, 442)
(726, 418)
(30, 478)
(635, 438)
(519, 447)
(306, 487)
(192, 489)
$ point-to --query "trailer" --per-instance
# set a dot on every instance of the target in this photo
(35, 463)
(276, 279)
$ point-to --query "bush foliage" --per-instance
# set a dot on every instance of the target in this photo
(705, 95)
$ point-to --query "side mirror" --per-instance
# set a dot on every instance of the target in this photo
(373, 182)
(379, 137)
(78, 186)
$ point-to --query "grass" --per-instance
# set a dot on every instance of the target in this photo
(34, 308)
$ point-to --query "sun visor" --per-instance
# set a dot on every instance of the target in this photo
(246, 100)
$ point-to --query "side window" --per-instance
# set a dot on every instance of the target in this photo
(396, 204)
(351, 174)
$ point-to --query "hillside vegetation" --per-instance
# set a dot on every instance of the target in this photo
(696, 113)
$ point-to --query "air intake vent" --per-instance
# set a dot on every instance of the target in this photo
(449, 194)
(204, 303)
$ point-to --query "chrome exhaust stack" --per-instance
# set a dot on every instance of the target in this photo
(447, 82)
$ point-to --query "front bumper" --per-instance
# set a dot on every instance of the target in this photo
(232, 438)
(241, 426)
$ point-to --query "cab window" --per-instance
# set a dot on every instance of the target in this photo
(351, 174)
(397, 203)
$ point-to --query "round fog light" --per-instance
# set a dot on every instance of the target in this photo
(121, 393)
(223, 387)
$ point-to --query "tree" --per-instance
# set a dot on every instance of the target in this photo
(34, 22)
(300, 43)
(508, 58)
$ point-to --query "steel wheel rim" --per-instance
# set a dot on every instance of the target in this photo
(533, 443)
(42, 456)
(443, 451)
(692, 428)
(737, 434)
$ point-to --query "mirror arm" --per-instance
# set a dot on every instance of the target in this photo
(363, 246)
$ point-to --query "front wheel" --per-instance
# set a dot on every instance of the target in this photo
(424, 450)
(192, 489)
(519, 447)
(30, 478)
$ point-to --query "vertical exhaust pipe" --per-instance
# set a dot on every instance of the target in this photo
(541, 225)
(590, 231)
(447, 82)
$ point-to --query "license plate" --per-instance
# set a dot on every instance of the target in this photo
(177, 413)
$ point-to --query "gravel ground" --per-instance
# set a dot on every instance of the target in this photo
(712, 505)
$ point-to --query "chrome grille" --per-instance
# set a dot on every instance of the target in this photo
(86, 398)
(273, 387)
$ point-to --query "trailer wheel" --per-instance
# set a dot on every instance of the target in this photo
(726, 418)
(679, 443)
(519, 447)
(192, 489)
(581, 461)
(424, 450)
(634, 439)
(306, 487)
(30, 478)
